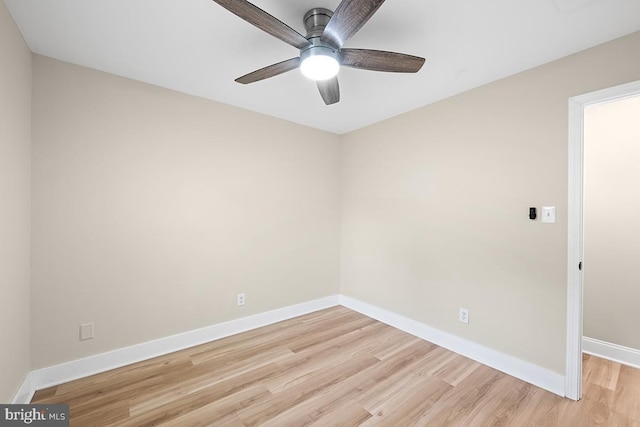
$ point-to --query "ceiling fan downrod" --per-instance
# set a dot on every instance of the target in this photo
(315, 20)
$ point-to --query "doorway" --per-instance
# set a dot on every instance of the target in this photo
(575, 255)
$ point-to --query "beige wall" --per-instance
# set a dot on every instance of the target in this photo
(153, 209)
(435, 206)
(611, 214)
(15, 194)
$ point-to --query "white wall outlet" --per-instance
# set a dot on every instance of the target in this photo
(463, 315)
(86, 331)
(240, 299)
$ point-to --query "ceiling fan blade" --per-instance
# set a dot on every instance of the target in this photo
(380, 60)
(261, 19)
(270, 71)
(329, 90)
(348, 18)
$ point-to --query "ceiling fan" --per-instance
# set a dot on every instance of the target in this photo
(321, 51)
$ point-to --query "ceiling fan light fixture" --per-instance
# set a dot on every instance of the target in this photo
(319, 63)
(320, 67)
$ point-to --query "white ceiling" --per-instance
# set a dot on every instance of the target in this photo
(198, 47)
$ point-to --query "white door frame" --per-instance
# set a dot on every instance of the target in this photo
(577, 104)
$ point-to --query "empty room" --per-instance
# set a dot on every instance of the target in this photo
(438, 230)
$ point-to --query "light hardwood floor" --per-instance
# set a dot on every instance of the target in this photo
(336, 367)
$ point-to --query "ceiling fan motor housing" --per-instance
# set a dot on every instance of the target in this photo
(315, 20)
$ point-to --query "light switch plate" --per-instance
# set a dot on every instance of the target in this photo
(549, 214)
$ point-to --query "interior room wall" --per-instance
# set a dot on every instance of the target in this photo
(611, 212)
(152, 209)
(435, 206)
(15, 202)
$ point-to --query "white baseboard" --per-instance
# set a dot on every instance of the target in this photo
(26, 390)
(58, 374)
(614, 352)
(533, 374)
(65, 372)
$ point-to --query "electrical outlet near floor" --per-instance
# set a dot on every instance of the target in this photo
(240, 299)
(463, 315)
(86, 331)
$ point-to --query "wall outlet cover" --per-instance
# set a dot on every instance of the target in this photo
(463, 315)
(86, 331)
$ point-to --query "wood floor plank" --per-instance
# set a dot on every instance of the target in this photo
(189, 402)
(393, 373)
(460, 404)
(313, 384)
(280, 332)
(347, 415)
(454, 368)
(115, 414)
(223, 410)
(538, 409)
(307, 340)
(627, 399)
(406, 405)
(200, 377)
(603, 373)
(43, 394)
(303, 364)
(325, 404)
(336, 367)
(508, 405)
(234, 348)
